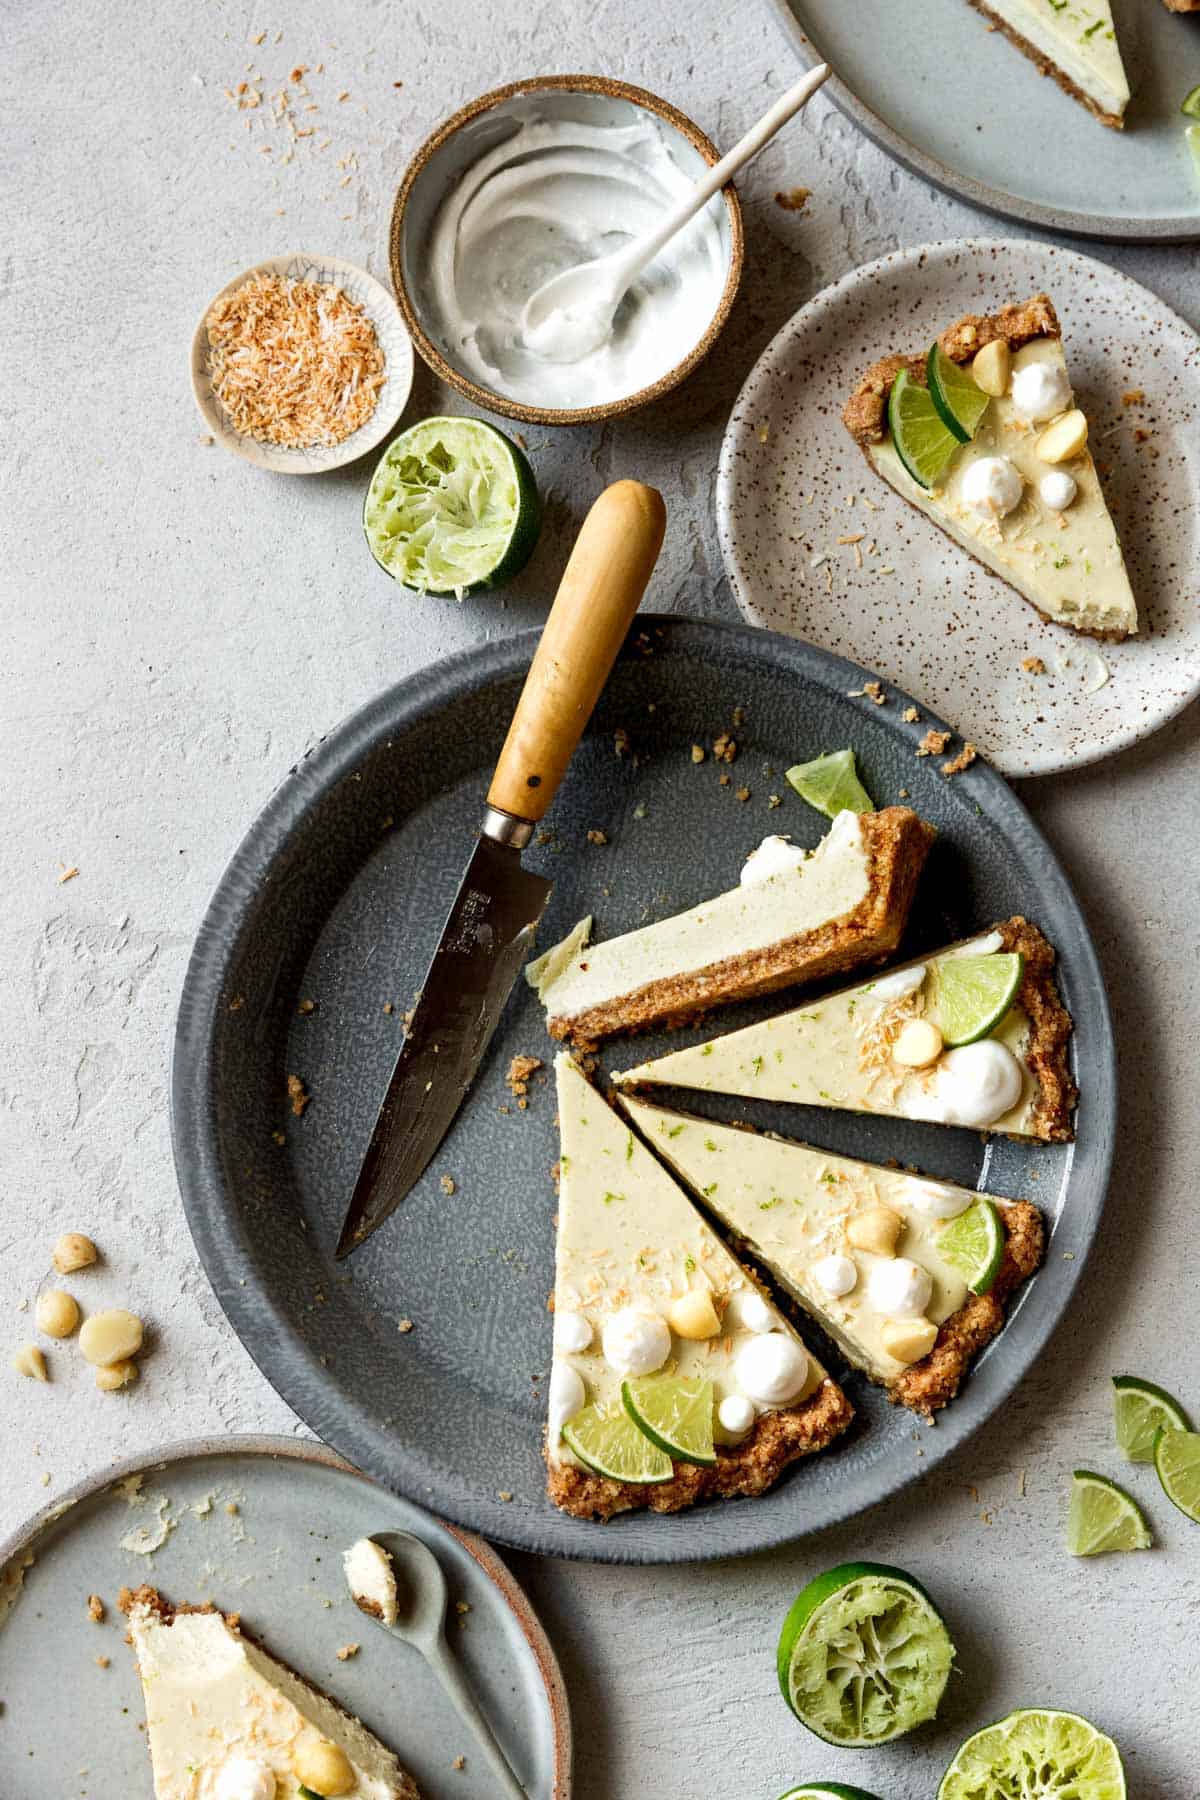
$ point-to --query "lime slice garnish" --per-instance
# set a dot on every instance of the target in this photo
(975, 992)
(1191, 104)
(863, 1655)
(1139, 1410)
(606, 1440)
(1102, 1517)
(676, 1415)
(1177, 1459)
(831, 784)
(452, 507)
(1038, 1754)
(960, 401)
(924, 443)
(974, 1245)
(827, 1790)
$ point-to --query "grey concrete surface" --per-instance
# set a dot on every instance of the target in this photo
(176, 627)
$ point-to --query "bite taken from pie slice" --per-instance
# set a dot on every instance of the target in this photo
(909, 1276)
(973, 1035)
(1072, 41)
(673, 1378)
(980, 431)
(228, 1721)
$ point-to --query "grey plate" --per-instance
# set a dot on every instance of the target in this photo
(277, 1561)
(325, 900)
(956, 103)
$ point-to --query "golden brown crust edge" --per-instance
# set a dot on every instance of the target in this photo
(1047, 66)
(897, 845)
(750, 1468)
(1052, 1025)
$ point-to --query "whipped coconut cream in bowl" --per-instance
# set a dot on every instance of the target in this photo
(537, 178)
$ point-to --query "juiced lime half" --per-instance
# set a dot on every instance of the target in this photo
(1140, 1410)
(452, 507)
(1036, 1754)
(975, 992)
(1177, 1459)
(827, 1790)
(1102, 1517)
(606, 1440)
(676, 1415)
(831, 784)
(924, 442)
(863, 1656)
(974, 1245)
(959, 399)
(1191, 104)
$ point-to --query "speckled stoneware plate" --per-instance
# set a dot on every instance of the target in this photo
(383, 312)
(959, 105)
(337, 896)
(925, 615)
(69, 1725)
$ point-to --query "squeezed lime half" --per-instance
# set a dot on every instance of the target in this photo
(974, 1245)
(606, 1440)
(924, 442)
(676, 1415)
(1140, 1410)
(1102, 1517)
(1177, 1459)
(1036, 1754)
(830, 783)
(975, 992)
(1191, 104)
(452, 508)
(827, 1790)
(959, 399)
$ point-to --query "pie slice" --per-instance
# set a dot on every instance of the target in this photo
(856, 1049)
(645, 1289)
(793, 917)
(858, 1247)
(223, 1717)
(1022, 494)
(1075, 42)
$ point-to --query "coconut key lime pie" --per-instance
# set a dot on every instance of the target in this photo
(983, 435)
(673, 1379)
(909, 1276)
(972, 1035)
(1074, 42)
(794, 916)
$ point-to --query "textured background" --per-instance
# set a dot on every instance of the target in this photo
(177, 628)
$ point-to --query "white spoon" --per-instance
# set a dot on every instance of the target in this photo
(571, 315)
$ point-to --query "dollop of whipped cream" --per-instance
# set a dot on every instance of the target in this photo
(736, 1415)
(836, 1274)
(976, 1084)
(897, 986)
(572, 1333)
(748, 1311)
(567, 1397)
(244, 1778)
(992, 487)
(569, 333)
(771, 1370)
(899, 1288)
(636, 1342)
(1058, 490)
(1040, 390)
(774, 856)
(934, 1202)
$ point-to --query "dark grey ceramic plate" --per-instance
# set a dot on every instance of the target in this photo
(337, 895)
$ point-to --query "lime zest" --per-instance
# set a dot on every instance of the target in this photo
(1039, 1753)
(922, 440)
(675, 1414)
(974, 1244)
(974, 993)
(606, 1440)
(830, 783)
(960, 401)
(1102, 1517)
(1177, 1459)
(1140, 1409)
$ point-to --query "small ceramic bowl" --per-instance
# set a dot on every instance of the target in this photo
(394, 341)
(440, 163)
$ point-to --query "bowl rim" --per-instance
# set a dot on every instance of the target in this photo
(489, 398)
(391, 403)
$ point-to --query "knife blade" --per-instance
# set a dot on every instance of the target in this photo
(489, 931)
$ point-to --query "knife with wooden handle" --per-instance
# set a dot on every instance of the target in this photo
(489, 932)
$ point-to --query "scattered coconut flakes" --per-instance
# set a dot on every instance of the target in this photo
(963, 760)
(933, 743)
(68, 874)
(910, 715)
(1033, 665)
(793, 199)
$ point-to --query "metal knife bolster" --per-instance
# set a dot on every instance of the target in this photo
(505, 828)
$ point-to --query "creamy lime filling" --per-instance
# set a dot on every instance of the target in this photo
(1080, 37)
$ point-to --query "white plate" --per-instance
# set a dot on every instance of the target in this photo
(792, 482)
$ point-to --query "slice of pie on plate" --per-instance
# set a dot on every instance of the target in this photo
(1016, 487)
(650, 1308)
(227, 1721)
(793, 917)
(865, 1250)
(1074, 42)
(878, 1047)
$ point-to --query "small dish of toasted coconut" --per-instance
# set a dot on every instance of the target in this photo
(301, 364)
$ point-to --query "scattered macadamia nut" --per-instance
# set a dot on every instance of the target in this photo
(323, 1767)
(991, 366)
(908, 1340)
(114, 1376)
(73, 1251)
(56, 1313)
(918, 1045)
(28, 1360)
(694, 1316)
(876, 1229)
(1067, 437)
(110, 1337)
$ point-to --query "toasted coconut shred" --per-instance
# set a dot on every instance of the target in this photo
(294, 363)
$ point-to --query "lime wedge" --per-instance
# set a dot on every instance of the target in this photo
(974, 1245)
(924, 443)
(1102, 1517)
(831, 784)
(975, 992)
(606, 1440)
(960, 401)
(1177, 1459)
(1139, 1410)
(827, 1790)
(1038, 1754)
(676, 1415)
(863, 1655)
(452, 508)
(1191, 104)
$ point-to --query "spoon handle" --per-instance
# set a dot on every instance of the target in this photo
(454, 1683)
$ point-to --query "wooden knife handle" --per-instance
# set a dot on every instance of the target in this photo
(600, 591)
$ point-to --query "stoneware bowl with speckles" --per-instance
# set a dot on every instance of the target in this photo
(793, 487)
(478, 127)
(316, 943)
